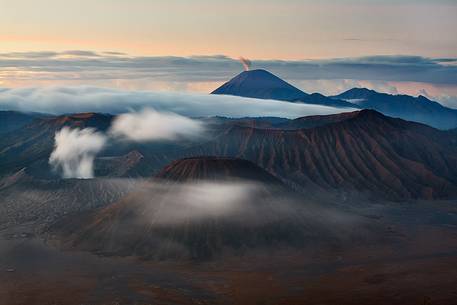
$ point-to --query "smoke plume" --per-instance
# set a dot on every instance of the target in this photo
(246, 63)
(75, 150)
(150, 125)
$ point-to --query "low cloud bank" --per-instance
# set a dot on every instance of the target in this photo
(59, 100)
(75, 151)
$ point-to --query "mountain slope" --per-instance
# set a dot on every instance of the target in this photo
(13, 120)
(31, 145)
(40, 202)
(215, 168)
(312, 121)
(265, 85)
(260, 84)
(367, 151)
(204, 217)
(358, 151)
(417, 109)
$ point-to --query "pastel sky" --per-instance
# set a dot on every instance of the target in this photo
(259, 29)
(36, 36)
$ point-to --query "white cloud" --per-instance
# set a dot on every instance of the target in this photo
(150, 125)
(195, 201)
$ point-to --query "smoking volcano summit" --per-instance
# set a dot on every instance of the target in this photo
(262, 84)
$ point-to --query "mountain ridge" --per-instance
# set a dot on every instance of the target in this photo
(419, 109)
(364, 151)
(367, 151)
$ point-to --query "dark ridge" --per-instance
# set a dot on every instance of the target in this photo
(214, 168)
(13, 120)
(317, 120)
(81, 120)
(357, 93)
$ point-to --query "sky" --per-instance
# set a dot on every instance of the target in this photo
(327, 46)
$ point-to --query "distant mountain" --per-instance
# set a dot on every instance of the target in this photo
(260, 84)
(265, 85)
(417, 109)
(12, 120)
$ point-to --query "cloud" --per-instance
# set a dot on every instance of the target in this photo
(86, 65)
(378, 68)
(150, 125)
(59, 100)
(80, 53)
(75, 150)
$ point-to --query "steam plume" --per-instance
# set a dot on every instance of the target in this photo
(246, 63)
(75, 150)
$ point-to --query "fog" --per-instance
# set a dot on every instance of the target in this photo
(242, 202)
(160, 203)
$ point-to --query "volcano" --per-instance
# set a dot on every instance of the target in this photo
(260, 84)
(265, 85)
(216, 169)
